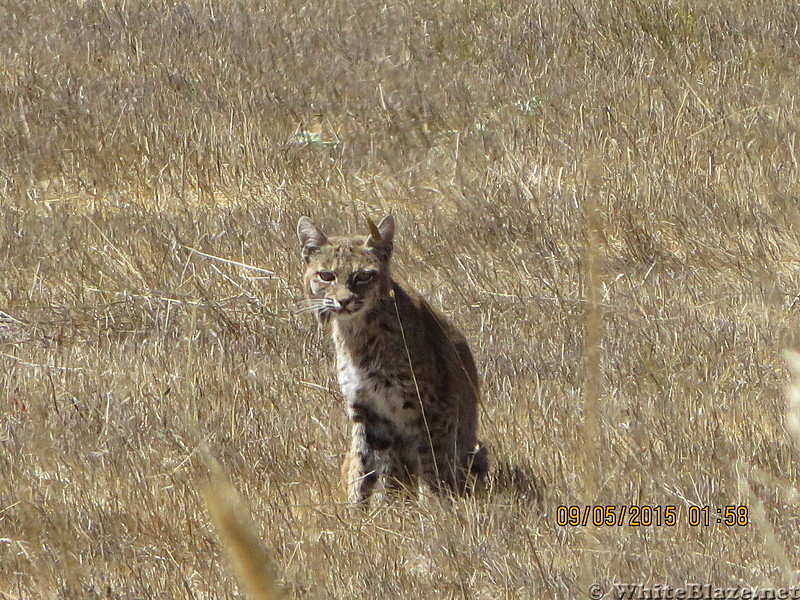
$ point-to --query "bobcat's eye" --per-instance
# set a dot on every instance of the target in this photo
(326, 275)
(363, 277)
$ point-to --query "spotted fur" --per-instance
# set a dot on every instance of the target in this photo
(407, 375)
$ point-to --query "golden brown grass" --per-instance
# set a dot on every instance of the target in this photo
(239, 536)
(135, 130)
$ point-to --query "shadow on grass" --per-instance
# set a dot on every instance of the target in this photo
(517, 480)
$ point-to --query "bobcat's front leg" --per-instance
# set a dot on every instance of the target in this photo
(359, 469)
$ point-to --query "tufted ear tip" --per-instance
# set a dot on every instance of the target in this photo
(374, 233)
(383, 233)
(380, 236)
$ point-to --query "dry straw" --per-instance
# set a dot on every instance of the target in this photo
(758, 513)
(239, 536)
(592, 369)
(793, 395)
(172, 123)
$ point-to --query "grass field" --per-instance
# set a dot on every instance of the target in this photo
(604, 197)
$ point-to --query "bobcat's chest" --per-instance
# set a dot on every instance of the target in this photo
(373, 393)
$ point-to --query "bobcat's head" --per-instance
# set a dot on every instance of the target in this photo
(345, 275)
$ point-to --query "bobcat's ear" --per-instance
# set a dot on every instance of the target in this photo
(382, 235)
(311, 238)
(386, 229)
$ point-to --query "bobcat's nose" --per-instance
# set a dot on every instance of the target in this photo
(348, 304)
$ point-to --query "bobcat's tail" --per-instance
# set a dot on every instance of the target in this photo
(479, 460)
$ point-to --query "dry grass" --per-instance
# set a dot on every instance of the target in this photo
(239, 535)
(133, 130)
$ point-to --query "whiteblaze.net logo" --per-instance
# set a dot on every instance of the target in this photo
(700, 591)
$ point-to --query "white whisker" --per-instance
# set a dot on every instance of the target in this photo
(311, 305)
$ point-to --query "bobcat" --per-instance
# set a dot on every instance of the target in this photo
(406, 373)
